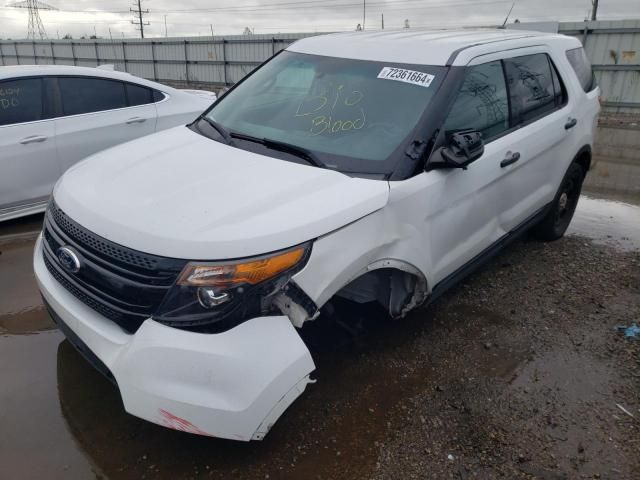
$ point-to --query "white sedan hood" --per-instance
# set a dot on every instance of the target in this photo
(179, 194)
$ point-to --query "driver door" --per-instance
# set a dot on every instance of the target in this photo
(463, 206)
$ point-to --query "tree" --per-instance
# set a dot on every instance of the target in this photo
(67, 36)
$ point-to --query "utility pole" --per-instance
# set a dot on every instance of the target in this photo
(364, 12)
(211, 27)
(137, 17)
(165, 26)
(594, 10)
(382, 16)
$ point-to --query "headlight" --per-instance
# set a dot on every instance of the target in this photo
(225, 293)
(239, 273)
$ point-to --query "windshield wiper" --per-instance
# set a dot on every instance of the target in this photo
(301, 152)
(224, 133)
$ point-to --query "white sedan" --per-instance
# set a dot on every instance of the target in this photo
(52, 116)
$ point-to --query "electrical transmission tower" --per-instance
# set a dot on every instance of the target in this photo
(36, 28)
(137, 16)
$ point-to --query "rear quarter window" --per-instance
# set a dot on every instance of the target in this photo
(581, 65)
(138, 95)
(158, 96)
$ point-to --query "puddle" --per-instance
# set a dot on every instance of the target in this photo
(21, 309)
(35, 441)
(609, 222)
(31, 320)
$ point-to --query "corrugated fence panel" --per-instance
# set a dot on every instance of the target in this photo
(25, 52)
(8, 54)
(63, 53)
(44, 54)
(85, 53)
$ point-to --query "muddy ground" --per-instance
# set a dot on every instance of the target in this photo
(516, 373)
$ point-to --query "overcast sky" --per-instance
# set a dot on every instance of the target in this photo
(194, 17)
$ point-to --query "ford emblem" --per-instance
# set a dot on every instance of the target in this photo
(68, 259)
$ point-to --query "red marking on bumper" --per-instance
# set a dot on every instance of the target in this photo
(174, 422)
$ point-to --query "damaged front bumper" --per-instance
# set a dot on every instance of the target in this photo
(234, 384)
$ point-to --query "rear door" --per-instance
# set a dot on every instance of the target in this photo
(541, 136)
(98, 113)
(28, 163)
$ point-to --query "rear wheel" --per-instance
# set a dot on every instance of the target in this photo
(558, 218)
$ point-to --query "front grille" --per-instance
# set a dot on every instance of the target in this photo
(99, 245)
(101, 308)
(119, 283)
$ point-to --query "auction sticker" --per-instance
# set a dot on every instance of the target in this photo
(408, 76)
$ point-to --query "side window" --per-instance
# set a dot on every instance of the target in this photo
(138, 95)
(21, 101)
(482, 102)
(530, 87)
(581, 65)
(87, 94)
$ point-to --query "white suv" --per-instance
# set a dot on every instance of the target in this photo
(378, 167)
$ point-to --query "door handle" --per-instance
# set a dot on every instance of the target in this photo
(571, 122)
(509, 159)
(33, 139)
(136, 120)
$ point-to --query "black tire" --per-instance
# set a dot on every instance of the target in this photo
(558, 218)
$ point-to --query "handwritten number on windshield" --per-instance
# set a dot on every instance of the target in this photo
(313, 105)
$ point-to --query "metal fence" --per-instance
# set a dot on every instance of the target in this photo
(193, 61)
(613, 48)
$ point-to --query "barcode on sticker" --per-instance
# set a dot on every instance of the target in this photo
(407, 76)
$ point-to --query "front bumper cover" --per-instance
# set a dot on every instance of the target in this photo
(234, 384)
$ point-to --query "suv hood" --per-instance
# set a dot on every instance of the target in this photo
(179, 194)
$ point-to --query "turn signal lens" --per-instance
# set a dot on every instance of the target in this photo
(244, 272)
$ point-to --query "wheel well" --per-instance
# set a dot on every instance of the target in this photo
(584, 159)
(396, 290)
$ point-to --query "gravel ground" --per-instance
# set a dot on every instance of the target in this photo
(529, 373)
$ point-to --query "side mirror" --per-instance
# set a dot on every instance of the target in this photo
(462, 148)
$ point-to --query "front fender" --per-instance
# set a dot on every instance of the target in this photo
(373, 242)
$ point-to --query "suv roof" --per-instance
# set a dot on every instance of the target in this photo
(426, 47)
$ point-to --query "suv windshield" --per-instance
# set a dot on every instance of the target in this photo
(351, 115)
